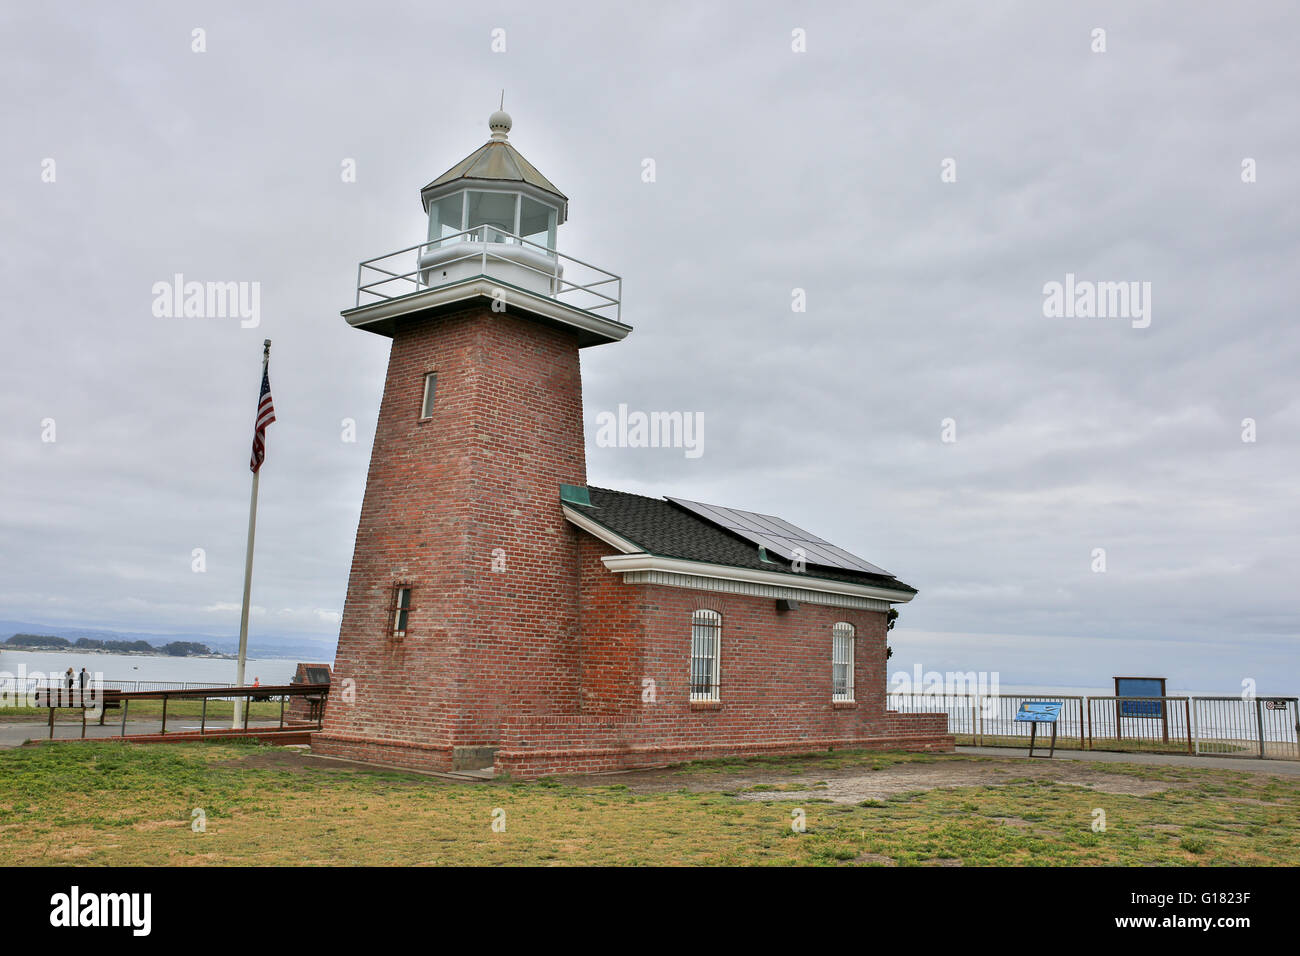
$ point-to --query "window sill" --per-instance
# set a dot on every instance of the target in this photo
(843, 704)
(706, 705)
(421, 421)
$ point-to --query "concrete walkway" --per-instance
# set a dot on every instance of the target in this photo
(1282, 767)
(16, 733)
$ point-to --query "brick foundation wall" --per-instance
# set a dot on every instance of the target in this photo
(532, 747)
(477, 481)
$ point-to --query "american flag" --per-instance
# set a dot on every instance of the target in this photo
(265, 415)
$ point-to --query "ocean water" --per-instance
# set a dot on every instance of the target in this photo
(129, 667)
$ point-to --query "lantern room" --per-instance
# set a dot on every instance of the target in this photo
(492, 227)
(494, 198)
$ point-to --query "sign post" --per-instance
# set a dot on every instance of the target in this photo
(1127, 688)
(1035, 712)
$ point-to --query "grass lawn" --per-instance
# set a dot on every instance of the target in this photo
(119, 804)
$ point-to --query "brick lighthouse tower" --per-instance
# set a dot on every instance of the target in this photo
(462, 602)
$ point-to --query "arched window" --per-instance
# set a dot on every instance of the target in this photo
(706, 646)
(842, 662)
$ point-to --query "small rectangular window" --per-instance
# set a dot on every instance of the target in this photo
(447, 217)
(537, 223)
(401, 610)
(496, 212)
(430, 387)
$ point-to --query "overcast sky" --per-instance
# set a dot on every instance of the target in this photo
(775, 170)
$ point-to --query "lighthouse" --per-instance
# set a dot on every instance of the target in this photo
(504, 616)
(461, 605)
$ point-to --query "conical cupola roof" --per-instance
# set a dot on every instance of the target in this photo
(496, 161)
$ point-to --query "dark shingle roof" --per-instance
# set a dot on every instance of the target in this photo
(662, 528)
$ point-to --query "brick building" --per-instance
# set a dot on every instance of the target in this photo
(500, 611)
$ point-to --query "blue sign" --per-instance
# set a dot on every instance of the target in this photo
(1140, 687)
(1141, 708)
(1042, 711)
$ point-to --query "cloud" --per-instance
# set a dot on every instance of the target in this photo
(776, 171)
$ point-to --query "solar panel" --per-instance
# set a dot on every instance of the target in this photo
(780, 537)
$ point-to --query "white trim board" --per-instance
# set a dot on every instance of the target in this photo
(483, 287)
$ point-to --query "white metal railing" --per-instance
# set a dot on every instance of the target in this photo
(1220, 726)
(407, 272)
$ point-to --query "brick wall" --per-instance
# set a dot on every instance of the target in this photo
(775, 683)
(519, 636)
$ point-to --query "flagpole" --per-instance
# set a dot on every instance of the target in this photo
(240, 702)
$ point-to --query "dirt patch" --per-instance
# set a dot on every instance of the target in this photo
(856, 784)
(1254, 802)
(293, 760)
(284, 758)
(160, 825)
(874, 859)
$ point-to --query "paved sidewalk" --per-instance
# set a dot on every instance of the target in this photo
(1281, 767)
(15, 734)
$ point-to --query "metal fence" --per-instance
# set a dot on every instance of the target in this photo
(1264, 727)
(1261, 727)
(485, 248)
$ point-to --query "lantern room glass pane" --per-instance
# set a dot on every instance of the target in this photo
(446, 215)
(537, 223)
(493, 209)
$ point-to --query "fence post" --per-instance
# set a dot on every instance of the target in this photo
(1187, 716)
(1087, 705)
(1259, 724)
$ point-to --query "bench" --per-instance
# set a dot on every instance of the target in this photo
(74, 699)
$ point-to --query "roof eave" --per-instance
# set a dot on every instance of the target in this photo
(634, 557)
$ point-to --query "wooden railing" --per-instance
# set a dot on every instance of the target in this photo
(96, 701)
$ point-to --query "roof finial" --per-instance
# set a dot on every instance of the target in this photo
(499, 122)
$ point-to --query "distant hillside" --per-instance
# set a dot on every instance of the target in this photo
(51, 642)
(60, 637)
